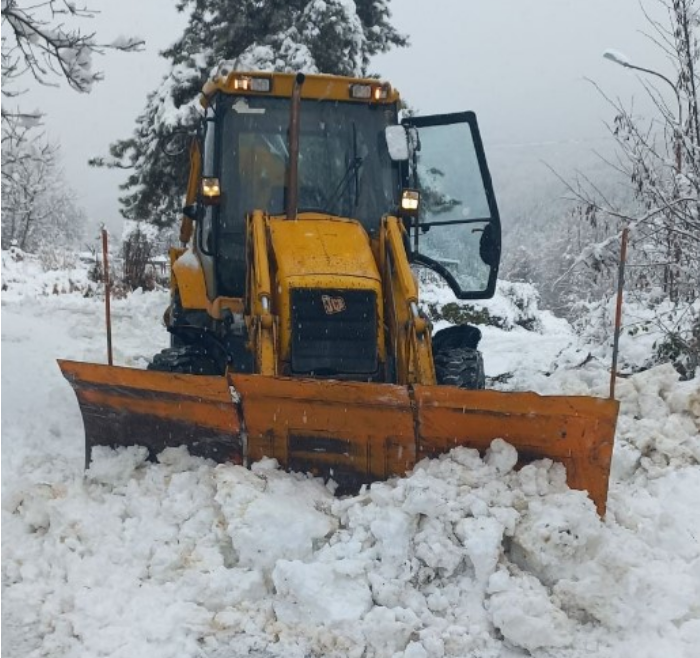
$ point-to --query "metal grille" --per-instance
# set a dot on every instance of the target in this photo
(334, 332)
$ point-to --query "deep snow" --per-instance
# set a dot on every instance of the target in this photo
(465, 557)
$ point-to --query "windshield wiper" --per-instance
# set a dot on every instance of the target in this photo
(352, 170)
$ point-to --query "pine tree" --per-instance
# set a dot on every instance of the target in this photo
(330, 36)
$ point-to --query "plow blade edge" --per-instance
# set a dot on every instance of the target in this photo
(126, 407)
(354, 432)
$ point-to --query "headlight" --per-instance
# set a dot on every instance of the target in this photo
(410, 201)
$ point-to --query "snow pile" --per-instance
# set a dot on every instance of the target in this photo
(25, 275)
(520, 342)
(466, 556)
(658, 425)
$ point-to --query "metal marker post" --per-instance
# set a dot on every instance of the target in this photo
(618, 309)
(108, 291)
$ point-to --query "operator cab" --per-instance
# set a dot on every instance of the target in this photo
(345, 169)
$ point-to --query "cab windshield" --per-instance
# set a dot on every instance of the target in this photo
(344, 165)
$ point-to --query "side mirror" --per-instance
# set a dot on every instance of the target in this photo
(490, 247)
(175, 143)
(397, 143)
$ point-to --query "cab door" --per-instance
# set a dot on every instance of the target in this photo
(458, 230)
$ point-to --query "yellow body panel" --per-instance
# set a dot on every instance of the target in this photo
(414, 353)
(189, 280)
(324, 253)
(321, 87)
(318, 244)
(186, 223)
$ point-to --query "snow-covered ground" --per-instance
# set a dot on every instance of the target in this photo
(465, 557)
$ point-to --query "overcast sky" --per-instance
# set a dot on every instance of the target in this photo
(520, 64)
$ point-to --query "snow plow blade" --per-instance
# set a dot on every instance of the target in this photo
(127, 406)
(353, 432)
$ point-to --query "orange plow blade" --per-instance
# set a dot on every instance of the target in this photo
(353, 432)
(126, 407)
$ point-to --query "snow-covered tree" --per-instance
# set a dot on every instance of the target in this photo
(40, 40)
(38, 208)
(660, 157)
(327, 36)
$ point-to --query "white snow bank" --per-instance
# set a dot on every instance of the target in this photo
(466, 556)
(24, 277)
(167, 559)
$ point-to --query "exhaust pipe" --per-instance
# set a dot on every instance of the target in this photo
(293, 168)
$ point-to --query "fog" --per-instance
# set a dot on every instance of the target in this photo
(520, 64)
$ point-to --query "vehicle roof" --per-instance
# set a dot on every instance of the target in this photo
(316, 86)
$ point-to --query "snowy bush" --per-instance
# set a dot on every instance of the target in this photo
(57, 258)
(513, 305)
(138, 245)
(655, 330)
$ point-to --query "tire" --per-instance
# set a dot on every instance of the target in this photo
(460, 366)
(186, 327)
(187, 360)
(177, 318)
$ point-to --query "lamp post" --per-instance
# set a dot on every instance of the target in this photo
(623, 60)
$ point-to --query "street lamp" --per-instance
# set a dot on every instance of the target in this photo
(623, 60)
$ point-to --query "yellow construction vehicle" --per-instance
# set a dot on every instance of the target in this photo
(295, 320)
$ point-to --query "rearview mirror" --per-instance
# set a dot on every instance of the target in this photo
(397, 143)
(175, 143)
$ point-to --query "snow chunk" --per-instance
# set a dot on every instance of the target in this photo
(555, 535)
(388, 630)
(501, 456)
(523, 611)
(319, 593)
(482, 537)
(116, 467)
(271, 519)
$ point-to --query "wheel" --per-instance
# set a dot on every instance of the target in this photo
(176, 318)
(460, 366)
(188, 360)
(458, 362)
(185, 326)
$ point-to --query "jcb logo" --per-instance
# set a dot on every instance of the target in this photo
(333, 305)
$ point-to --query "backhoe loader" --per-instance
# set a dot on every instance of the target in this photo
(296, 330)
